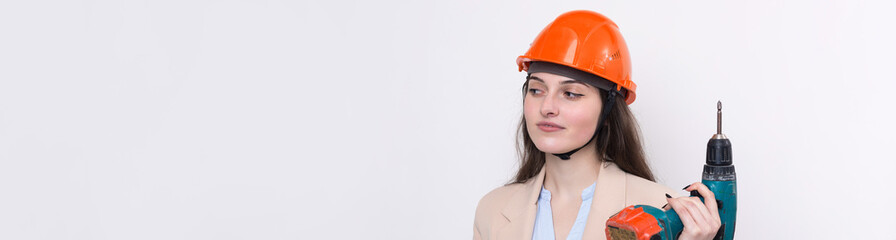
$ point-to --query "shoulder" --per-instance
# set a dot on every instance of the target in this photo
(492, 202)
(642, 191)
(488, 211)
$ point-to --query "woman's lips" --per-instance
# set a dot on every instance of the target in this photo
(549, 126)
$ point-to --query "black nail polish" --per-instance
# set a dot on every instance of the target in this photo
(686, 187)
(664, 206)
(668, 196)
(695, 194)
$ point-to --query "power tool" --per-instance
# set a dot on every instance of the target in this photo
(643, 222)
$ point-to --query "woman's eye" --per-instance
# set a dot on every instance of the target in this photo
(534, 91)
(572, 95)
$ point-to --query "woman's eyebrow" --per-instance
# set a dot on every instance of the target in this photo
(530, 77)
(573, 81)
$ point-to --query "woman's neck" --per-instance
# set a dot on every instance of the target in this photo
(567, 178)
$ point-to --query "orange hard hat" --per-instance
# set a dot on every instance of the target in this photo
(587, 41)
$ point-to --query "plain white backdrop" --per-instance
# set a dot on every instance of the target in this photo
(390, 119)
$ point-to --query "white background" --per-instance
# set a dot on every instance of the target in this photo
(390, 119)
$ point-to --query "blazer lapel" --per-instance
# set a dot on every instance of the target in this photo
(521, 209)
(609, 198)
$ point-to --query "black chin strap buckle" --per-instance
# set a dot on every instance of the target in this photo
(565, 156)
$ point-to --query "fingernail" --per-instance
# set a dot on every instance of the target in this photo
(686, 187)
(664, 205)
(668, 196)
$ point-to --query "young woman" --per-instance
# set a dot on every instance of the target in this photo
(582, 159)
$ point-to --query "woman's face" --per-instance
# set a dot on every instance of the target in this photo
(561, 113)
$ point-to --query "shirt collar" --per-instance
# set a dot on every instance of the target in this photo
(587, 194)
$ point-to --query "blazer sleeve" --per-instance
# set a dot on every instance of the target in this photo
(488, 211)
(476, 235)
(643, 191)
(484, 212)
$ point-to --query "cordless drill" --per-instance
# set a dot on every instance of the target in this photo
(643, 222)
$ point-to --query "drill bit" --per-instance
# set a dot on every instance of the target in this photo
(719, 118)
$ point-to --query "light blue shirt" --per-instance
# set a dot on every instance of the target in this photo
(544, 219)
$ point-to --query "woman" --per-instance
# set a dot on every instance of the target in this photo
(582, 159)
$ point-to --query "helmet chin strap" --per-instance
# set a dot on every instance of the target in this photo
(611, 100)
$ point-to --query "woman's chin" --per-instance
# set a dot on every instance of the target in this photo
(553, 148)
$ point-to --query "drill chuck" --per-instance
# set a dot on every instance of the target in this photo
(718, 166)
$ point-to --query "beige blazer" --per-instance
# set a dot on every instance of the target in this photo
(508, 212)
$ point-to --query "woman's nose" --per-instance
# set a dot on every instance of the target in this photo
(548, 109)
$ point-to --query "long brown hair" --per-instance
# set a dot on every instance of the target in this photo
(619, 142)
